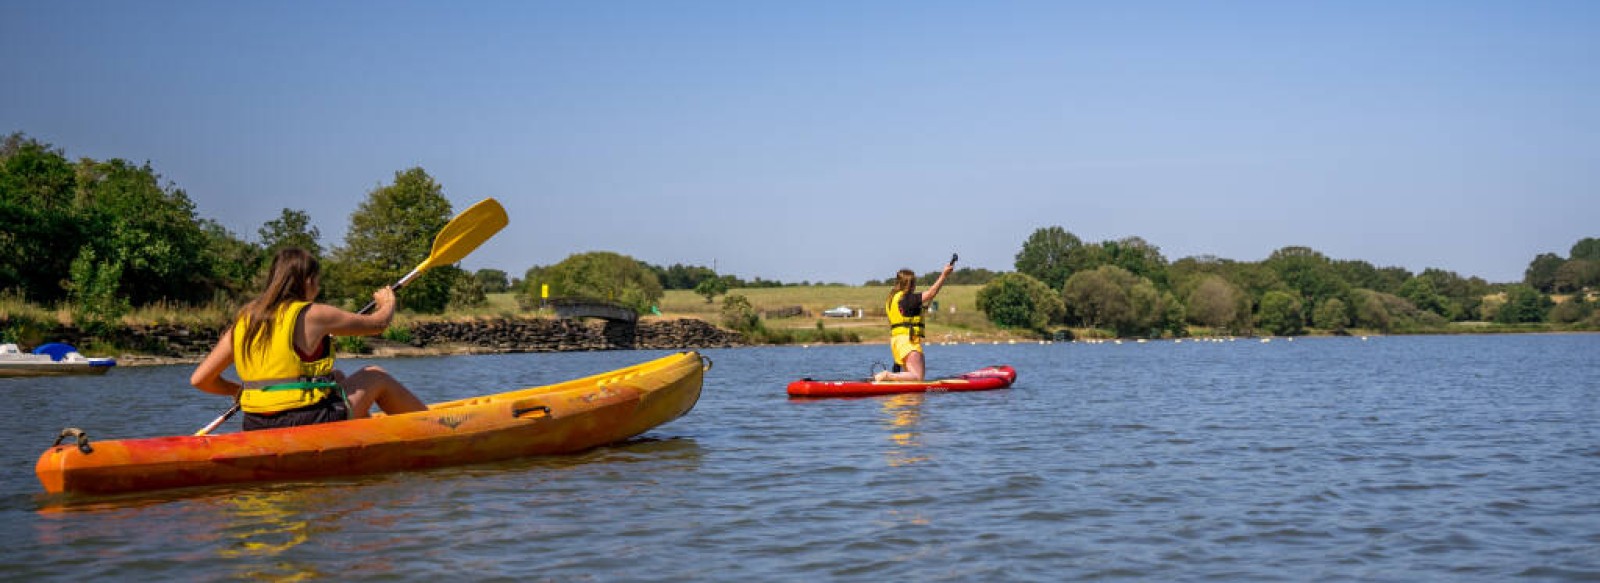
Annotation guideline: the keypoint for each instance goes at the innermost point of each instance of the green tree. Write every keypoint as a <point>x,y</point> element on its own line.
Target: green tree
<point>118,210</point>
<point>1018,300</point>
<point>37,218</point>
<point>94,286</point>
<point>1576,274</point>
<point>151,230</point>
<point>1149,310</point>
<point>1420,292</point>
<point>711,287</point>
<point>1138,257</point>
<point>1280,314</point>
<point>1049,255</point>
<point>35,174</point>
<point>236,262</point>
<point>1370,311</point>
<point>33,262</point>
<point>466,291</point>
<point>1096,298</point>
<point>738,314</point>
<point>680,276</point>
<point>1586,248</point>
<point>1388,312</point>
<point>1524,304</point>
<point>1185,274</point>
<point>292,228</point>
<point>1541,272</point>
<point>1571,311</point>
<point>492,280</point>
<point>1463,296</point>
<point>1309,273</point>
<point>1361,274</point>
<point>1256,279</point>
<point>1216,303</point>
<point>1331,315</point>
<point>390,233</point>
<point>602,275</point>
<point>1174,314</point>
<point>1112,297</point>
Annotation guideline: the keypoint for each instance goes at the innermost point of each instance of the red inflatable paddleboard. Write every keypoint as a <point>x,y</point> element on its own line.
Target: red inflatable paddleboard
<point>983,379</point>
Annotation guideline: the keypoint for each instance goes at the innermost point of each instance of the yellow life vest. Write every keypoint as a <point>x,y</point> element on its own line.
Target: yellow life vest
<point>275,377</point>
<point>901,324</point>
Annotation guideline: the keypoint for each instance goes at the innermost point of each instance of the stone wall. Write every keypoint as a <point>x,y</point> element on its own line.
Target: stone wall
<point>544,335</point>
<point>499,335</point>
<point>162,340</point>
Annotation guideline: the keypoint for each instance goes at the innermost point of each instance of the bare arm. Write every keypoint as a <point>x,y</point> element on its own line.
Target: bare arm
<point>324,320</point>
<point>208,376</point>
<point>933,290</point>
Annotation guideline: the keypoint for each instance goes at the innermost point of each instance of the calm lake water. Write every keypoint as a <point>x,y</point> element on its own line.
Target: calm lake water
<point>1397,458</point>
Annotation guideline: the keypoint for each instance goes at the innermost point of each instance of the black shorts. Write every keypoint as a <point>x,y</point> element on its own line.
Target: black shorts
<point>325,411</point>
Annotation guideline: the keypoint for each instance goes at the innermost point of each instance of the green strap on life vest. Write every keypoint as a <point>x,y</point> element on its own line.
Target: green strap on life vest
<point>291,384</point>
<point>301,386</point>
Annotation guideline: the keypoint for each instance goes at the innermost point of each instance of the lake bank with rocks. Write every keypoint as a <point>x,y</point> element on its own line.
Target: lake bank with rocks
<point>166,344</point>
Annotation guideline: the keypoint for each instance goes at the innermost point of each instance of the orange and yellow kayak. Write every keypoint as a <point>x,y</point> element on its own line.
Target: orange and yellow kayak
<point>561,418</point>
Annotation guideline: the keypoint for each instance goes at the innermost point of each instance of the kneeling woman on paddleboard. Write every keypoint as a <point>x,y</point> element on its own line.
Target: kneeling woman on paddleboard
<point>905,324</point>
<point>281,345</point>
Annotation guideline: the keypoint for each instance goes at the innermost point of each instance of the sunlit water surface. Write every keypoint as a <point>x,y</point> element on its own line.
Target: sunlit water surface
<point>1397,458</point>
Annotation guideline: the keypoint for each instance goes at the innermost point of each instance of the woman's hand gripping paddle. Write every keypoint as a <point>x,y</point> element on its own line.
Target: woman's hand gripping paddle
<point>456,240</point>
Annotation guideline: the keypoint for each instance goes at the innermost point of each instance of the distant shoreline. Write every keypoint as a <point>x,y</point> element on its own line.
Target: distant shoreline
<point>382,349</point>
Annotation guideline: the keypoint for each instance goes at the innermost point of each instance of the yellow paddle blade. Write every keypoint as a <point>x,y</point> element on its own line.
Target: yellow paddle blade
<point>466,232</point>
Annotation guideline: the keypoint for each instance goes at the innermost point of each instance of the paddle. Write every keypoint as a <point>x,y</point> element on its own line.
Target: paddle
<point>461,236</point>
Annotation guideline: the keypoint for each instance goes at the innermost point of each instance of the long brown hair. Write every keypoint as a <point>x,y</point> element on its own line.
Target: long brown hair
<point>292,270</point>
<point>904,281</point>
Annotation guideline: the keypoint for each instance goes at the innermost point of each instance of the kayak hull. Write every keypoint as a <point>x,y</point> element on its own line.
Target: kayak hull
<point>562,418</point>
<point>984,379</point>
<point>96,366</point>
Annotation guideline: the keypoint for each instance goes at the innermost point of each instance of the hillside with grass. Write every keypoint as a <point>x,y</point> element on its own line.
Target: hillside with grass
<point>957,318</point>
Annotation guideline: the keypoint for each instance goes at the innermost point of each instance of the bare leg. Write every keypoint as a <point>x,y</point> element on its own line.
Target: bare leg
<point>913,371</point>
<point>914,366</point>
<point>372,385</point>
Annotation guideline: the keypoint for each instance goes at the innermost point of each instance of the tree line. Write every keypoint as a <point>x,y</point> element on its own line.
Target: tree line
<point>102,237</point>
<point>1128,287</point>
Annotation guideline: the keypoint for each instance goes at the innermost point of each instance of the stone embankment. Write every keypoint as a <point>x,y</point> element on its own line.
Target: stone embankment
<point>546,335</point>
<point>148,343</point>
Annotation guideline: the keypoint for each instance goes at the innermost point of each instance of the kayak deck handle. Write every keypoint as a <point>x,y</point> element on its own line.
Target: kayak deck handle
<point>705,361</point>
<point>521,411</point>
<point>81,435</point>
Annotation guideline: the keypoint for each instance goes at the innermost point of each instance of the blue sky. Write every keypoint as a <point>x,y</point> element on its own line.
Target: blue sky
<point>840,141</point>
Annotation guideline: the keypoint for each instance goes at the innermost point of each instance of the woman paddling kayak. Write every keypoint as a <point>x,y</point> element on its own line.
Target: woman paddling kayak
<point>281,347</point>
<point>905,324</point>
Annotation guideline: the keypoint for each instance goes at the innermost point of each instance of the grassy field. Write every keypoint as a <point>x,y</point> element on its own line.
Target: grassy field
<point>958,315</point>
<point>815,299</point>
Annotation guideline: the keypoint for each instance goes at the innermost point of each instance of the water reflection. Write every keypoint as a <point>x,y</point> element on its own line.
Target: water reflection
<point>263,533</point>
<point>263,526</point>
<point>902,414</point>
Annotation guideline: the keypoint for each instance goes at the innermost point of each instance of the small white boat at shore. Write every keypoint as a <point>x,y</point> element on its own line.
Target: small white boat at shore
<point>53,359</point>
